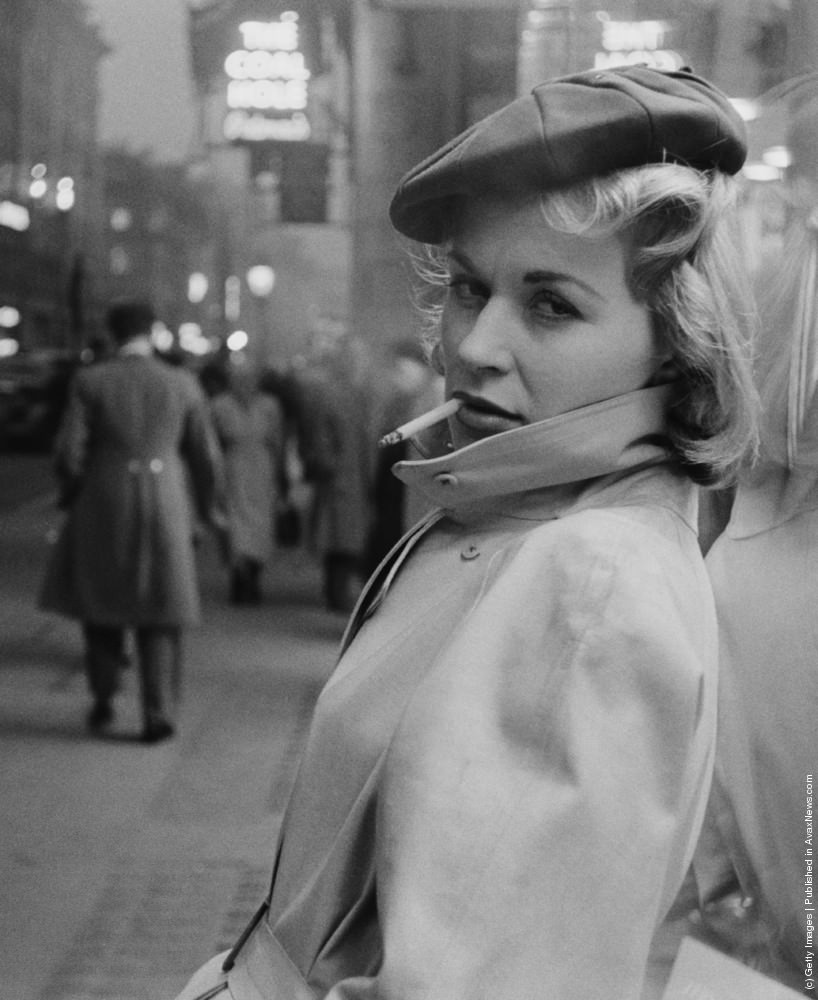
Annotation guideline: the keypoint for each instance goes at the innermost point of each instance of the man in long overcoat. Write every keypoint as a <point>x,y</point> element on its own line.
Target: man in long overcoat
<point>135,454</point>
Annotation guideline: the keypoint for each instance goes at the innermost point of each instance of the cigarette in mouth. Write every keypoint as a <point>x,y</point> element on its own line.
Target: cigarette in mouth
<point>429,419</point>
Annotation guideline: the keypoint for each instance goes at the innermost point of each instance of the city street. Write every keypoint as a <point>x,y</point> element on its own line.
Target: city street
<point>124,866</point>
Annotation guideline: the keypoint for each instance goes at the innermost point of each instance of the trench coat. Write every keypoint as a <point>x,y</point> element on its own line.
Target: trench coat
<point>252,442</point>
<point>138,453</point>
<point>506,774</point>
<point>338,445</point>
<point>762,813</point>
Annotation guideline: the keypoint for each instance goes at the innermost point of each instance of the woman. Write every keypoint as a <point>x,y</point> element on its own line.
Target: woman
<point>763,574</point>
<point>506,775</point>
<point>249,426</point>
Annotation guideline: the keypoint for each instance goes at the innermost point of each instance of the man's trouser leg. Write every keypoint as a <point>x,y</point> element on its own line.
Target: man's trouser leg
<point>104,648</point>
<point>160,673</point>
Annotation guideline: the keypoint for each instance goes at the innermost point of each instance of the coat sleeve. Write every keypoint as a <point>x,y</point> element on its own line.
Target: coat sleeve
<point>73,436</point>
<point>543,793</point>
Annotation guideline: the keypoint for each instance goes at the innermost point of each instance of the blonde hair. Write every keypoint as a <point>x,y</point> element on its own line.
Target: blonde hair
<point>684,264</point>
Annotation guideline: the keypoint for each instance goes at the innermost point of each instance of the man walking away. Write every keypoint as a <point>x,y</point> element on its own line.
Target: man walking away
<point>134,445</point>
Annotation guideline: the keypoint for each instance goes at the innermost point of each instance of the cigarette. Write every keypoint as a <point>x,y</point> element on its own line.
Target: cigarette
<point>429,419</point>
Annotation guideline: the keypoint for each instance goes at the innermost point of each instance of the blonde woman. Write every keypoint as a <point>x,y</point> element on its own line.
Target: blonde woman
<point>506,774</point>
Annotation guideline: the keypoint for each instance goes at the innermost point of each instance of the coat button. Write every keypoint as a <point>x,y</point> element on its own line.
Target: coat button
<point>469,552</point>
<point>156,465</point>
<point>446,479</point>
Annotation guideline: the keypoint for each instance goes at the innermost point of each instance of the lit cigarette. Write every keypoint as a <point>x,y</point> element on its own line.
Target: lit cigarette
<point>442,412</point>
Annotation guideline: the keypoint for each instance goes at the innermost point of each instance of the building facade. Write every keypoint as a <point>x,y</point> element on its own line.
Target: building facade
<point>49,170</point>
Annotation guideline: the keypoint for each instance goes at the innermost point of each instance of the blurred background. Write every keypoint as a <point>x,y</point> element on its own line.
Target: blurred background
<point>234,159</point>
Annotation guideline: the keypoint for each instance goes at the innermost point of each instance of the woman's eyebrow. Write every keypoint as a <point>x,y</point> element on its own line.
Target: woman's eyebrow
<point>535,277</point>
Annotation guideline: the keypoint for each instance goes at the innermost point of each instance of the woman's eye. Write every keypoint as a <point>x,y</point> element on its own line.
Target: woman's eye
<point>467,291</point>
<point>549,305</point>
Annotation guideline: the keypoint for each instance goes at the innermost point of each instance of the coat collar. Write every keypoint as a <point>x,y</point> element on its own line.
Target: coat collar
<point>613,436</point>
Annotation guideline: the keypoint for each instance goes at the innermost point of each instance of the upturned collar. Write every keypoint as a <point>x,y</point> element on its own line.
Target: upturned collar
<point>614,436</point>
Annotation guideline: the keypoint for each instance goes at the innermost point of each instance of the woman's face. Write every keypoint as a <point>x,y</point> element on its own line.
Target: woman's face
<point>537,322</point>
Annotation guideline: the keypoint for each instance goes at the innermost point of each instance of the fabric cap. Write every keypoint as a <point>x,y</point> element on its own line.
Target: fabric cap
<point>568,130</point>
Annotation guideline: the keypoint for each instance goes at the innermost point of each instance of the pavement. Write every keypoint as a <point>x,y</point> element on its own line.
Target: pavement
<point>125,866</point>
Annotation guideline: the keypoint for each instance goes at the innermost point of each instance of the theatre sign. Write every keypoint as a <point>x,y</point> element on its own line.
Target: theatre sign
<point>267,83</point>
<point>636,42</point>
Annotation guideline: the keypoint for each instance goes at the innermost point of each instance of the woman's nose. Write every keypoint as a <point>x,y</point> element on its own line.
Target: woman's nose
<point>486,344</point>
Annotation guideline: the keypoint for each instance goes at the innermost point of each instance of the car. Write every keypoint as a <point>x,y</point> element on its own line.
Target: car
<point>33,392</point>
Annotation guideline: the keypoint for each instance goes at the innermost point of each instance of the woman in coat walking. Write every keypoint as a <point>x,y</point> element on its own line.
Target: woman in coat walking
<point>249,426</point>
<point>135,442</point>
<point>506,774</point>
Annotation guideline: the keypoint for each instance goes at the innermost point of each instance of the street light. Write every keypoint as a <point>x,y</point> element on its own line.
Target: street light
<point>261,279</point>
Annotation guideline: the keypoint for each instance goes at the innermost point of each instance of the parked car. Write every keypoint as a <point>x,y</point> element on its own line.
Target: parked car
<point>33,393</point>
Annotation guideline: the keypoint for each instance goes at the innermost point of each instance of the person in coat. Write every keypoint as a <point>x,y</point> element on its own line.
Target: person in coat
<point>134,444</point>
<point>249,425</point>
<point>337,442</point>
<point>761,844</point>
<point>506,774</point>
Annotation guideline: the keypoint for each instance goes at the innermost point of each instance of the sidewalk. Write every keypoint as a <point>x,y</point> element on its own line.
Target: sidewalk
<point>125,866</point>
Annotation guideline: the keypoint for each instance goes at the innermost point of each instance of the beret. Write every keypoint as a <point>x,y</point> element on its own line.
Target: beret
<point>570,129</point>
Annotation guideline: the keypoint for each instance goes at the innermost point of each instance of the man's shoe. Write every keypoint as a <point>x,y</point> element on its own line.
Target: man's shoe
<point>156,732</point>
<point>100,717</point>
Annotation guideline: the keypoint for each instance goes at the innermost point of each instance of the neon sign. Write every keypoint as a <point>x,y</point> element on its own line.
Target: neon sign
<point>267,93</point>
<point>633,42</point>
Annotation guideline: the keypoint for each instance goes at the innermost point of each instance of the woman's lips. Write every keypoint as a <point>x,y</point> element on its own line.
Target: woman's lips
<point>479,414</point>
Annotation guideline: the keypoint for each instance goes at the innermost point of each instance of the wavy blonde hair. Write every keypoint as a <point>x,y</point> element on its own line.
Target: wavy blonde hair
<point>685,264</point>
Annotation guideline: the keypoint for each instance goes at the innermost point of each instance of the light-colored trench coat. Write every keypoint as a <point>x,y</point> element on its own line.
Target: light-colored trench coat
<point>136,446</point>
<point>251,436</point>
<point>507,772</point>
<point>763,809</point>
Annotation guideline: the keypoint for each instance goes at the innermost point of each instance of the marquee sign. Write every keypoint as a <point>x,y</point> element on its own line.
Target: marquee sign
<point>268,81</point>
<point>634,42</point>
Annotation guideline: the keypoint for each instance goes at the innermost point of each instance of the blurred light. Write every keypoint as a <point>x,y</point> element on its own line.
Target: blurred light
<point>777,156</point>
<point>761,172</point>
<point>237,340</point>
<point>120,263</point>
<point>9,317</point>
<point>8,347</point>
<point>65,197</point>
<point>121,219</point>
<point>38,188</point>
<point>747,108</point>
<point>14,216</point>
<point>192,340</point>
<point>232,298</point>
<point>161,337</point>
<point>38,171</point>
<point>261,279</point>
<point>266,180</point>
<point>197,286</point>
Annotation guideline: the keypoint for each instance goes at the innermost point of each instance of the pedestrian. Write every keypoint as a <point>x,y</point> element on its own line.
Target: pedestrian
<point>250,429</point>
<point>763,573</point>
<point>338,447</point>
<point>136,430</point>
<point>506,774</point>
<point>410,387</point>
